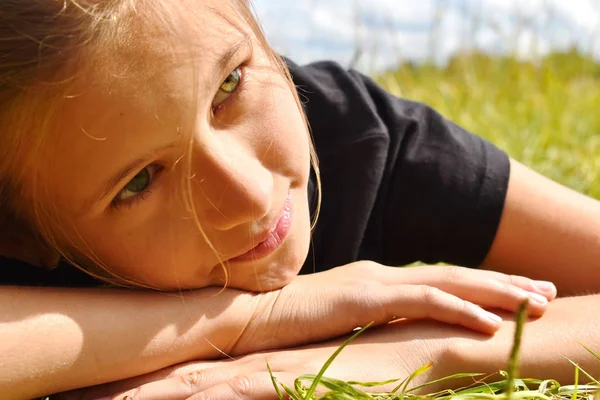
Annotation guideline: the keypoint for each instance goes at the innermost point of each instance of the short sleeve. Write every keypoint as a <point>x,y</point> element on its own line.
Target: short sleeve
<point>444,192</point>
<point>400,182</point>
<point>19,273</point>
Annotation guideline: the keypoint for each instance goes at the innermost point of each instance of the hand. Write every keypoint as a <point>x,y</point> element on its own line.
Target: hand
<point>379,354</point>
<point>321,306</point>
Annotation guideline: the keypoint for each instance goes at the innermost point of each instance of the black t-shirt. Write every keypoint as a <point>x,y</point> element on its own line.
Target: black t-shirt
<point>400,183</point>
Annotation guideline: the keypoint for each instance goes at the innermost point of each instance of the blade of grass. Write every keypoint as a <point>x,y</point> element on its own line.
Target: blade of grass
<point>293,395</point>
<point>373,384</point>
<point>476,387</point>
<point>582,389</point>
<point>455,376</point>
<point>574,395</point>
<point>513,363</point>
<point>339,386</point>
<point>554,386</point>
<point>412,376</point>
<point>274,380</point>
<point>592,352</point>
<point>400,385</point>
<point>584,372</point>
<point>336,396</point>
<point>315,383</point>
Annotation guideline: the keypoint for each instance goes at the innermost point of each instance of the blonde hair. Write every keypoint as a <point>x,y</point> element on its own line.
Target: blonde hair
<point>42,43</point>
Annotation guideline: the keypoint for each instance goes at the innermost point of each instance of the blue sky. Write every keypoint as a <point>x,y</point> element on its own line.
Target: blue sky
<point>389,30</point>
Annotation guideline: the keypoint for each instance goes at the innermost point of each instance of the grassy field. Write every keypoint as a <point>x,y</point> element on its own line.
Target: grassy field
<point>545,114</point>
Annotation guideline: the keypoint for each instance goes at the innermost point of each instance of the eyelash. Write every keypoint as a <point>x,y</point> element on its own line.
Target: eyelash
<point>141,196</point>
<point>232,95</point>
<point>126,204</point>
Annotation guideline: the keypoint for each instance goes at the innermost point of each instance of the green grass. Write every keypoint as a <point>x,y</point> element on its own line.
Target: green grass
<point>511,387</point>
<point>545,114</point>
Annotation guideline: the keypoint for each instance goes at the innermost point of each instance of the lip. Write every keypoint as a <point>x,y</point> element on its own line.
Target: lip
<point>272,239</point>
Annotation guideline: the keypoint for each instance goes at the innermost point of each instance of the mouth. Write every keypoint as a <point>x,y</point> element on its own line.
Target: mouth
<point>272,239</point>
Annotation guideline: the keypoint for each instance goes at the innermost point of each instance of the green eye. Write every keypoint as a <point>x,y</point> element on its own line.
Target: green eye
<point>229,86</point>
<point>137,185</point>
<point>232,81</point>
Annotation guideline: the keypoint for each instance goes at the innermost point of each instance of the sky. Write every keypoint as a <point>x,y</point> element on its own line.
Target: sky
<point>387,31</point>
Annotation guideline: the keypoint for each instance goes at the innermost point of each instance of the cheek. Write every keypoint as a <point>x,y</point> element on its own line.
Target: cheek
<point>278,130</point>
<point>162,252</point>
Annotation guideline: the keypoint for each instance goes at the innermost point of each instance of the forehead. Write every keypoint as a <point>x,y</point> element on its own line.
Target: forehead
<point>148,44</point>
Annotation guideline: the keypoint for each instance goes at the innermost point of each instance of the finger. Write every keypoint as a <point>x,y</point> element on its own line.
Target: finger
<point>546,289</point>
<point>421,302</point>
<point>417,274</point>
<point>256,386</point>
<point>485,288</point>
<point>128,387</point>
<point>185,385</point>
<point>493,290</point>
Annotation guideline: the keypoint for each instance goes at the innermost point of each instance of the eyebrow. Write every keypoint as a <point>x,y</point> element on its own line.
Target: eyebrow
<point>225,59</point>
<point>135,165</point>
<point>109,186</point>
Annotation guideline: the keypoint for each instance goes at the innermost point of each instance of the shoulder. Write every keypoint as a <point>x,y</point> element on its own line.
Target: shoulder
<point>343,104</point>
<point>323,78</point>
<point>338,105</point>
<point>418,186</point>
<point>328,83</point>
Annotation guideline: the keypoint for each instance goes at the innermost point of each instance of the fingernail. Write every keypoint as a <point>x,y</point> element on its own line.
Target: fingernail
<point>544,286</point>
<point>493,317</point>
<point>538,298</point>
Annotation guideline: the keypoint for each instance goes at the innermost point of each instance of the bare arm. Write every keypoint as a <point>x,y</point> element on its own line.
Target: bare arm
<point>59,339</point>
<point>546,342</point>
<point>394,351</point>
<point>548,232</point>
<point>56,339</point>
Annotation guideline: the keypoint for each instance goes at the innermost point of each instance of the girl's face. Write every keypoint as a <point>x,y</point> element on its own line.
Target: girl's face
<point>121,152</point>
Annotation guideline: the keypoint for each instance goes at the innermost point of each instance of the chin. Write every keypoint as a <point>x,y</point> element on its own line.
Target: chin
<point>280,268</point>
<point>271,275</point>
<point>274,278</point>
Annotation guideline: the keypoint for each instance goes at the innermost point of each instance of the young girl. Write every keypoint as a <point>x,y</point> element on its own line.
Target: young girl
<point>161,144</point>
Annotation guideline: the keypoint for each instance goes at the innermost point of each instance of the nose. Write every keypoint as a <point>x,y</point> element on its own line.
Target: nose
<point>230,185</point>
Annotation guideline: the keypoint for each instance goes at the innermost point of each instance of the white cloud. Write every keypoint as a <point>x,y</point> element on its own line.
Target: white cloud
<point>387,30</point>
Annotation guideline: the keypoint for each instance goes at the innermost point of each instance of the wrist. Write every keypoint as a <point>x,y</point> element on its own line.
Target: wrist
<point>479,354</point>
<point>455,350</point>
<point>216,318</point>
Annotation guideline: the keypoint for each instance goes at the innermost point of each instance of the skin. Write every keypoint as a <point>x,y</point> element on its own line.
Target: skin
<point>228,156</point>
<point>548,232</point>
<point>385,353</point>
<point>562,229</point>
<point>55,339</point>
<point>250,150</point>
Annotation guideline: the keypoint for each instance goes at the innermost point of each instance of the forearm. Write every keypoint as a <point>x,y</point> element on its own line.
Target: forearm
<point>548,232</point>
<point>53,340</point>
<point>546,343</point>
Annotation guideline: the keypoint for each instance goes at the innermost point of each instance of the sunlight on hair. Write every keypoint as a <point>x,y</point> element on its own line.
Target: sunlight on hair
<point>58,46</point>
